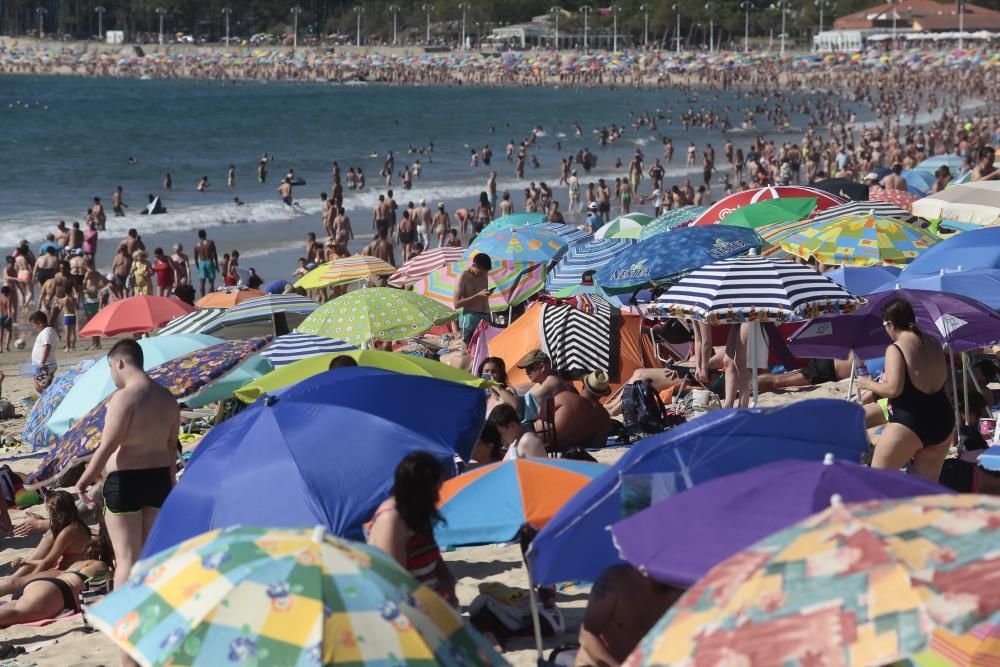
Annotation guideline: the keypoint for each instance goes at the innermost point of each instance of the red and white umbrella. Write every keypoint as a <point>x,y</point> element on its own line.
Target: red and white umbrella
<point>718,211</point>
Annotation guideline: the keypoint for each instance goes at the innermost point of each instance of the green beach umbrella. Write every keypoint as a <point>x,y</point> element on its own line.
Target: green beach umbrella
<point>628,226</point>
<point>376,313</point>
<point>771,211</point>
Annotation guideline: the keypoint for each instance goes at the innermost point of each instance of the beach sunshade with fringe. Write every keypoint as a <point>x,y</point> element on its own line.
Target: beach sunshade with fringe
<point>512,283</point>
<point>771,211</point>
<point>295,346</point>
<point>407,364</point>
<point>892,571</point>
<point>521,491</point>
<point>96,384</point>
<point>521,244</point>
<point>194,322</point>
<point>136,314</point>
<point>628,226</point>
<point>268,596</point>
<point>976,203</point>
<point>227,297</point>
<point>344,271</point>
<point>268,310</point>
<point>584,257</point>
<point>718,211</point>
<point>376,313</point>
<point>423,264</point>
<point>670,219</point>
<point>514,220</point>
<point>183,376</point>
<point>860,241</point>
<point>36,431</point>
<point>899,198</point>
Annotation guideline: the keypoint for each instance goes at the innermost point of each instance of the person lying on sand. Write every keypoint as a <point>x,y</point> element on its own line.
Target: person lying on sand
<point>816,371</point>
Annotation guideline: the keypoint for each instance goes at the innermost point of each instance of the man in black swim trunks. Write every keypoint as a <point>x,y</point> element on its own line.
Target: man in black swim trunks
<point>816,371</point>
<point>137,455</point>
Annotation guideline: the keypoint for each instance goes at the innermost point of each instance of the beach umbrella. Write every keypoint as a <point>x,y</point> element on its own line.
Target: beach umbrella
<point>520,491</point>
<point>670,219</point>
<point>770,211</point>
<point>295,346</point>
<point>931,164</point>
<point>296,596</point>
<point>718,211</point>
<point>328,446</point>
<point>571,234</point>
<point>890,570</point>
<point>522,244</point>
<point>221,389</point>
<point>863,280</point>
<point>743,509</point>
<point>182,376</point>
<point>983,285</point>
<point>976,203</point>
<point>512,283</point>
<point>843,188</point>
<point>978,249</point>
<point>427,261</point>
<point>96,384</point>
<point>628,226</point>
<point>194,322</point>
<point>666,257</point>
<point>918,181</point>
<point>227,297</point>
<point>978,647</point>
<point>859,240</point>
<point>407,364</point>
<point>376,313</point>
<point>345,270</point>
<point>576,546</point>
<point>271,313</point>
<point>588,256</point>
<point>36,431</point>
<point>276,287</point>
<point>900,198</point>
<point>136,314</point>
<point>514,220</point>
<point>952,319</point>
<point>877,209</point>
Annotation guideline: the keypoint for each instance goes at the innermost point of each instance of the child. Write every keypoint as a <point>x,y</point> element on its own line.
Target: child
<point>68,304</point>
<point>43,354</point>
<point>453,241</point>
<point>8,314</point>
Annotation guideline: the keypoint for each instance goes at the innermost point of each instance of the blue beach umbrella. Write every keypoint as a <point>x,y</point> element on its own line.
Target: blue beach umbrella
<point>919,181</point>
<point>666,257</point>
<point>322,451</point>
<point>953,162</point>
<point>576,546</point>
<point>670,219</point>
<point>584,257</point>
<point>983,285</point>
<point>861,280</point>
<point>35,431</point>
<point>978,249</point>
<point>521,244</point>
<point>514,220</point>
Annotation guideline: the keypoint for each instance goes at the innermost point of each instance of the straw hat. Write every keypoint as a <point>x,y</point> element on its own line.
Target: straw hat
<point>597,383</point>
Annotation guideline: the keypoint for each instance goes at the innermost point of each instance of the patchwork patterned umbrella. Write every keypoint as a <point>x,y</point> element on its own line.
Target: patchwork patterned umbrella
<point>424,263</point>
<point>260,596</point>
<point>36,432</point>
<point>193,322</point>
<point>512,282</point>
<point>294,346</point>
<point>899,198</point>
<point>628,226</point>
<point>376,313</point>
<point>584,257</point>
<point>671,219</point>
<point>343,271</point>
<point>263,308</point>
<point>860,241</point>
<point>522,244</point>
<point>182,376</point>
<point>980,647</point>
<point>862,584</point>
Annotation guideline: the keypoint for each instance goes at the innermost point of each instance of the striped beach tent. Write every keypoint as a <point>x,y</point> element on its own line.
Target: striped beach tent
<point>295,346</point>
<point>584,257</point>
<point>195,322</point>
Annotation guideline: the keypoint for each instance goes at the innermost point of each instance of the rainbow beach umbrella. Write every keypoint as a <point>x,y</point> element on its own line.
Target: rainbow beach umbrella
<point>260,596</point>
<point>512,283</point>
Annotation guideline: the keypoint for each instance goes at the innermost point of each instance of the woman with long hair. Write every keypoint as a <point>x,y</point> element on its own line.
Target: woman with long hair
<point>495,369</point>
<point>483,214</point>
<point>403,525</point>
<point>921,421</point>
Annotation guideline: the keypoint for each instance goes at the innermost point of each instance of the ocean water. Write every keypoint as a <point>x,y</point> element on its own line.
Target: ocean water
<point>65,140</point>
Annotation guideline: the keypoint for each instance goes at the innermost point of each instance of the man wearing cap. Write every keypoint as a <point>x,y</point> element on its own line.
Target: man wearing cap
<point>871,179</point>
<point>545,383</point>
<point>594,219</point>
<point>472,295</point>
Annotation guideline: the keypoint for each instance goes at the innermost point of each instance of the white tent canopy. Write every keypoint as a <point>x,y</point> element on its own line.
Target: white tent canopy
<point>976,203</point>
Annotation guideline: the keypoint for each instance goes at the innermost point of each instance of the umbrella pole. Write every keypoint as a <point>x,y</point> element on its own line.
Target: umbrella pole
<point>954,390</point>
<point>854,372</point>
<point>535,620</point>
<point>965,384</point>
<point>754,327</point>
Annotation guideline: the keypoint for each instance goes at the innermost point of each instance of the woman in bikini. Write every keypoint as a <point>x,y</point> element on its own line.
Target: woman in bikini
<point>483,214</point>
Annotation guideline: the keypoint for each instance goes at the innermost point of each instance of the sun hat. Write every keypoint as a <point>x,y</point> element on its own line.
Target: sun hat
<point>597,383</point>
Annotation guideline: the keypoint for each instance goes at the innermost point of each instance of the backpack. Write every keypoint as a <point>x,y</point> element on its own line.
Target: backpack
<point>642,410</point>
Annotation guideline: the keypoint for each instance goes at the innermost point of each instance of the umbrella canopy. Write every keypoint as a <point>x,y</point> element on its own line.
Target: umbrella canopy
<point>877,209</point>
<point>182,376</point>
<point>843,188</point>
<point>983,285</point>
<point>666,257</point>
<point>571,234</point>
<point>770,211</point>
<point>576,546</point>
<point>520,491</point>
<point>743,509</point>
<point>345,270</point>
<point>276,286</point>
<point>283,597</point>
<point>953,162</point>
<point>514,220</point>
<point>376,313</point>
<point>954,320</point>
<point>295,346</point>
<point>860,241</point>
<point>976,203</point>
<point>221,389</point>
<point>670,219</point>
<point>136,314</point>
<point>978,249</point>
<point>754,289</point>
<point>227,297</point>
<point>194,322</point>
<point>584,257</point>
<point>512,283</point>
<point>899,198</point>
<point>863,279</point>
<point>977,648</point>
<point>523,244</point>
<point>407,364</point>
<point>264,312</point>
<point>322,473</point>
<point>890,570</point>
<point>36,431</point>
<point>718,211</point>
<point>628,226</point>
<point>919,181</point>
<point>424,263</point>
<point>94,385</point>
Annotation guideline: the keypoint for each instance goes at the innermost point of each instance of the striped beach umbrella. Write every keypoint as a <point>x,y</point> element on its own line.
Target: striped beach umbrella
<point>584,257</point>
<point>264,308</point>
<point>859,240</point>
<point>345,270</point>
<point>520,244</point>
<point>295,346</point>
<point>512,283</point>
<point>879,209</point>
<point>270,596</point>
<point>193,322</point>
<point>427,261</point>
<point>670,219</point>
<point>628,226</point>
<point>572,234</point>
<point>754,289</point>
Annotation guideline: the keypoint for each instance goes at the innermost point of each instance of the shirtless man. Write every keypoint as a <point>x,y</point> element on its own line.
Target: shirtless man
<point>207,259</point>
<point>117,205</point>
<point>74,239</point>
<point>623,606</point>
<point>93,283</point>
<point>380,212</point>
<point>381,248</point>
<point>182,264</point>
<point>137,456</point>
<point>285,190</point>
<point>546,384</point>
<point>895,181</point>
<point>472,295</point>
<point>62,234</point>
<point>579,421</point>
<point>8,314</point>
<point>98,214</point>
<point>984,169</point>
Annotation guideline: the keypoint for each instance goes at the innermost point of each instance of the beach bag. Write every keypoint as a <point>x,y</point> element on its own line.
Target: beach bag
<point>6,409</point>
<point>642,409</point>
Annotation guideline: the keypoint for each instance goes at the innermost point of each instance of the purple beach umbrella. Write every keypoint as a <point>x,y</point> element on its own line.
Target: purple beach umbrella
<point>952,319</point>
<point>678,540</point>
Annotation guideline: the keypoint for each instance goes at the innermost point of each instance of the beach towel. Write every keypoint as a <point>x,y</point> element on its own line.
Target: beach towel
<point>576,340</point>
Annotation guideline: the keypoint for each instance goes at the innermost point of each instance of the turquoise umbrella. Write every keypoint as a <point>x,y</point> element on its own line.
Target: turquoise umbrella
<point>513,220</point>
<point>671,219</point>
<point>253,368</point>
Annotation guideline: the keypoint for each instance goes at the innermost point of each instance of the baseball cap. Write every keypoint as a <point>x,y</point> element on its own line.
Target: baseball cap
<point>871,176</point>
<point>593,206</point>
<point>534,357</point>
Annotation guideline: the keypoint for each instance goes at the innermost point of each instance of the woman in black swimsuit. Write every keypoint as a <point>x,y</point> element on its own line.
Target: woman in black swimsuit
<point>921,421</point>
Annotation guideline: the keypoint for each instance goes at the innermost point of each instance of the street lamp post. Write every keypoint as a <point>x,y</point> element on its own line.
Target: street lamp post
<point>161,11</point>
<point>821,4</point>
<point>427,9</point>
<point>645,8</point>
<point>358,11</point>
<point>41,12</point>
<point>100,22</point>
<point>464,6</point>
<point>961,23</point>
<point>783,5</point>
<point>711,27</point>
<point>296,10</point>
<point>227,11</point>
<point>677,35</point>
<point>395,13</point>
<point>585,10</point>
<point>892,4</point>
<point>555,12</point>
<point>746,5</point>
<point>614,30</point>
